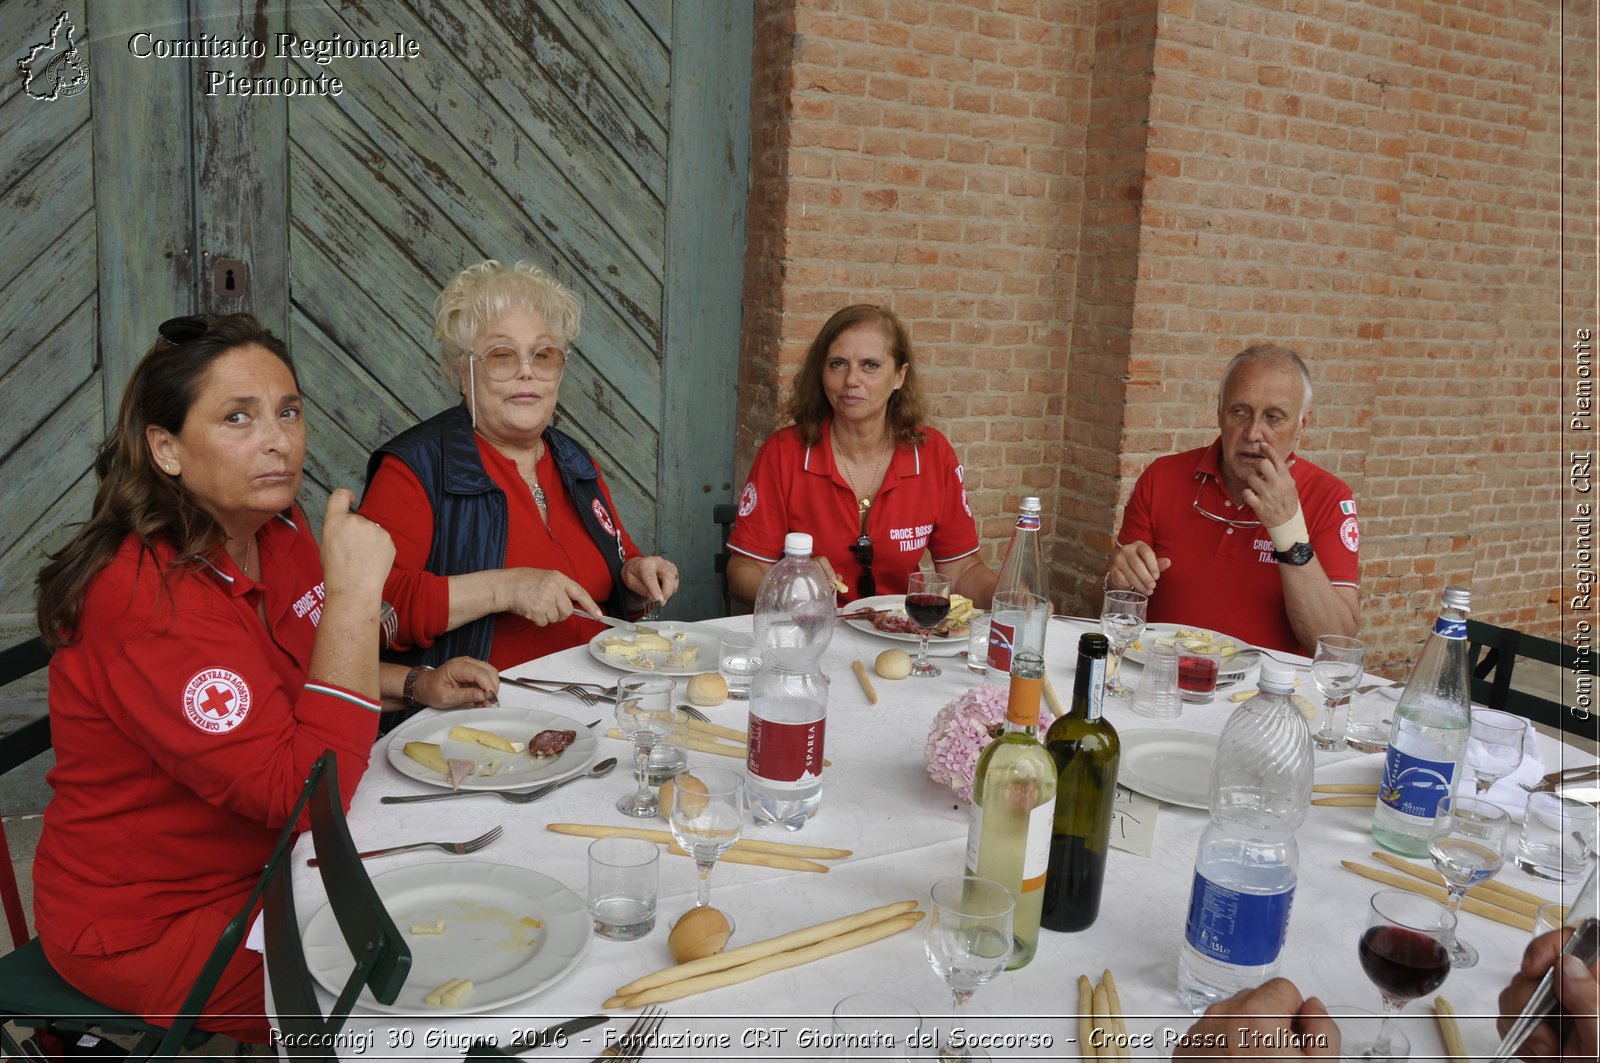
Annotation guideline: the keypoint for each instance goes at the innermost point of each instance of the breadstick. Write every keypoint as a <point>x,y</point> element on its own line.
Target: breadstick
<point>1102,1005</point>
<point>1450,1031</point>
<point>661,837</point>
<point>866,684</point>
<point>1468,904</point>
<point>1051,698</point>
<point>1428,874</point>
<point>757,950</point>
<point>781,962</point>
<point>719,731</point>
<point>1086,1048</point>
<point>1347,801</point>
<point>706,745</point>
<point>1115,999</point>
<point>1346,788</point>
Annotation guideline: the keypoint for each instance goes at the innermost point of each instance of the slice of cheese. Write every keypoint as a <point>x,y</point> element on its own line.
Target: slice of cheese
<point>428,754</point>
<point>428,929</point>
<point>643,642</point>
<point>462,733</point>
<point>449,995</point>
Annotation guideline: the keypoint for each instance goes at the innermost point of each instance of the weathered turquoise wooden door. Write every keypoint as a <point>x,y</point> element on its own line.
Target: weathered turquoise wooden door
<point>604,139</point>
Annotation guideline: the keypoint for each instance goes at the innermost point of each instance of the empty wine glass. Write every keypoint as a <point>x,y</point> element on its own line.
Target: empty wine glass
<point>707,818</point>
<point>645,714</point>
<point>968,942</point>
<point>927,603</point>
<point>1405,952</point>
<point>1336,669</point>
<point>1467,844</point>
<point>1494,747</point>
<point>1121,620</point>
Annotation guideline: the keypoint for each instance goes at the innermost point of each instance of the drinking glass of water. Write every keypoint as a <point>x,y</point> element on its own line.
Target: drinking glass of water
<point>738,662</point>
<point>1336,669</point>
<point>1122,621</point>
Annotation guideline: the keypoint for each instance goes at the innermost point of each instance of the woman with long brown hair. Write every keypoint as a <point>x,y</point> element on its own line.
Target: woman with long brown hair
<point>860,470</point>
<point>206,654</point>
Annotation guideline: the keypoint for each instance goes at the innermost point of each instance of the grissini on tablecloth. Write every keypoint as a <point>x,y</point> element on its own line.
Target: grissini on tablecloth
<point>745,846</point>
<point>718,731</point>
<point>1347,801</point>
<point>1427,874</point>
<point>757,950</point>
<point>1413,885</point>
<point>1346,788</point>
<point>1086,1047</point>
<point>1114,998</point>
<point>705,743</point>
<point>779,962</point>
<point>1102,1019</point>
<point>866,684</point>
<point>1450,1030</point>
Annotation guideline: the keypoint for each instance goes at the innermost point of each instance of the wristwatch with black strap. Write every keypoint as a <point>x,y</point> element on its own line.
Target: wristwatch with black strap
<point>1298,554</point>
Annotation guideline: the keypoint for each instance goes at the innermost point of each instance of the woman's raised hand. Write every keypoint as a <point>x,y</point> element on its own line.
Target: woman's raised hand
<point>655,579</point>
<point>543,595</point>
<point>356,553</point>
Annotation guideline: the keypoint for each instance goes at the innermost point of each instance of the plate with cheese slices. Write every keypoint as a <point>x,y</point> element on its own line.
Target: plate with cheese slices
<point>665,647</point>
<point>491,749</point>
<point>1237,656</point>
<point>481,935</point>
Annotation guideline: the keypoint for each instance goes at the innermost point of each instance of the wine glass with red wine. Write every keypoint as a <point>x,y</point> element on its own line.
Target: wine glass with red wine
<point>927,604</point>
<point>1405,952</point>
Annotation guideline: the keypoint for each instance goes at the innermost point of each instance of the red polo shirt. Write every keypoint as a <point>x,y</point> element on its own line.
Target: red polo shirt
<point>184,728</point>
<point>922,505</point>
<point>1222,577</point>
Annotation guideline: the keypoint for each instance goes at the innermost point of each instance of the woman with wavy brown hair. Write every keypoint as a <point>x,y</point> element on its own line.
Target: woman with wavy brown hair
<point>860,470</point>
<point>206,654</point>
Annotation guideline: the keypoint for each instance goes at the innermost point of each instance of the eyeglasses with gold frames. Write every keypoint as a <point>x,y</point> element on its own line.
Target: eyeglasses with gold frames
<point>1208,515</point>
<point>502,363</point>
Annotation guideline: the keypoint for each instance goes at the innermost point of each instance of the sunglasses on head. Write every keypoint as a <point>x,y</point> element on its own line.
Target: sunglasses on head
<point>180,330</point>
<point>866,585</point>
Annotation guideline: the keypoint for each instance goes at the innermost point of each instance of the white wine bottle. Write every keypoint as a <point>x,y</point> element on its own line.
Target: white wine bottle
<point>1085,749</point>
<point>1013,795</point>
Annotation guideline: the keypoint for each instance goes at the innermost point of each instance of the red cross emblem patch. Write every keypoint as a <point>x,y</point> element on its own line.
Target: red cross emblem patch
<point>216,700</point>
<point>604,518</point>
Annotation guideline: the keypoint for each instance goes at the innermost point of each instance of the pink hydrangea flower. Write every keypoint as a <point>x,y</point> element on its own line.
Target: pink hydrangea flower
<point>959,734</point>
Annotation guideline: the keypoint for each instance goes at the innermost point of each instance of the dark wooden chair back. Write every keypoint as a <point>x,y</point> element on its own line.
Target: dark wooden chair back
<point>1492,654</point>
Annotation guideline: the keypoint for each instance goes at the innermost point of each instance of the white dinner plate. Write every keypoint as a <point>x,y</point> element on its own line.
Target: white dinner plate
<point>517,771</point>
<point>1170,766</point>
<point>490,938</point>
<point>1230,670</point>
<point>894,603</point>
<point>706,637</point>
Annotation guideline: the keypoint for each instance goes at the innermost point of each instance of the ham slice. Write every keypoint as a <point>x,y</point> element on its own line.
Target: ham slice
<point>459,769</point>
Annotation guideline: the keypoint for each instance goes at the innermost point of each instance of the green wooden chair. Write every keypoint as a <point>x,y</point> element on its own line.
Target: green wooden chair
<point>32,994</point>
<point>1492,654</point>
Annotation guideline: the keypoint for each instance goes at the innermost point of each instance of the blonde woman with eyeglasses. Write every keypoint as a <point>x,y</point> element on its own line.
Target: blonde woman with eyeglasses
<point>502,524</point>
<point>1245,536</point>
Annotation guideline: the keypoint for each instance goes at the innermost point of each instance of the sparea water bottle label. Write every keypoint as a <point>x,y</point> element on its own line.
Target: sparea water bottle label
<point>1027,522</point>
<point>1450,629</point>
<point>786,755</point>
<point>1001,638</point>
<point>1245,929</point>
<point>1413,786</point>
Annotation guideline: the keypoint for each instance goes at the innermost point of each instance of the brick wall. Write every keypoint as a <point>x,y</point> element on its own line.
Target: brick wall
<point>1083,209</point>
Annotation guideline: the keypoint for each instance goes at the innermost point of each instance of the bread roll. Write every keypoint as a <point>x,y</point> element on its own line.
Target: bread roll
<point>708,688</point>
<point>893,664</point>
<point>699,933</point>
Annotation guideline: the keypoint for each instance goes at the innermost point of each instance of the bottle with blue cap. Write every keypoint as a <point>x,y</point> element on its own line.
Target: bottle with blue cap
<point>1429,737</point>
<point>1246,869</point>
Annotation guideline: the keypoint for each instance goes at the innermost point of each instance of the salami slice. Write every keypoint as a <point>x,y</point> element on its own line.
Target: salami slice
<point>551,743</point>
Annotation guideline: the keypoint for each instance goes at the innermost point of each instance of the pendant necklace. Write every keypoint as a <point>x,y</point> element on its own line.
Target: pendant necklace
<point>863,500</point>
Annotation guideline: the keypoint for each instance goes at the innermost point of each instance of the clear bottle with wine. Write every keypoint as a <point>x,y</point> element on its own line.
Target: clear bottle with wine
<point>1013,796</point>
<point>1429,737</point>
<point>1246,869</point>
<point>1085,749</point>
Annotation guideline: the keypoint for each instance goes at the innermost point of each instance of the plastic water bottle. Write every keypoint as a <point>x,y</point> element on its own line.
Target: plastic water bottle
<point>1429,737</point>
<point>794,613</point>
<point>1022,572</point>
<point>1245,871</point>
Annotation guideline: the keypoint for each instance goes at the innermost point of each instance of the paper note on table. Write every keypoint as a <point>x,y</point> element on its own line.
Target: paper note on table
<point>1133,822</point>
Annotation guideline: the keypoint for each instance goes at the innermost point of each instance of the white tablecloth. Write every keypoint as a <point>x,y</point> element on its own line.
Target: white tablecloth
<point>906,832</point>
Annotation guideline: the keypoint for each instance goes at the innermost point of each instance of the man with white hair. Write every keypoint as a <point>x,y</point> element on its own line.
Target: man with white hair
<point>1244,536</point>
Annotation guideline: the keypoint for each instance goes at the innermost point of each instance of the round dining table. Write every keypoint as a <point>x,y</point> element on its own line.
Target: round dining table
<point>904,832</point>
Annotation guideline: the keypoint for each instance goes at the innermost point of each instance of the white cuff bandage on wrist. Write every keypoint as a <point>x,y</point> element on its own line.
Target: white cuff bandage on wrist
<point>1290,531</point>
